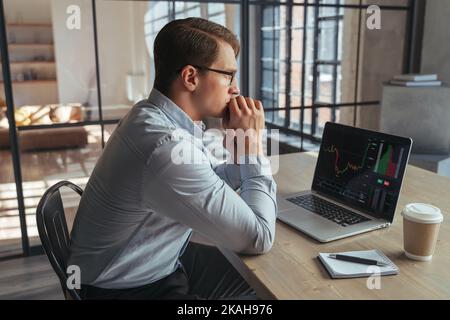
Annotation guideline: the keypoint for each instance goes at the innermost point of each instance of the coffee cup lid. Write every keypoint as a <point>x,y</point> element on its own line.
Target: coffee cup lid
<point>422,213</point>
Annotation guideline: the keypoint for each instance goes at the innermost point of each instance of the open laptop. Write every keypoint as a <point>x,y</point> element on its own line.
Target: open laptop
<point>356,184</point>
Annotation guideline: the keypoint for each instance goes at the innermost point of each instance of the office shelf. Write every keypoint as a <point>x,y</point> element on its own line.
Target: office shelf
<point>29,24</point>
<point>30,45</point>
<point>32,81</point>
<point>34,62</point>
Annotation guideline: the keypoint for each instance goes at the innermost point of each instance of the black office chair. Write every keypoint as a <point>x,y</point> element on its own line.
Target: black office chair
<point>54,234</point>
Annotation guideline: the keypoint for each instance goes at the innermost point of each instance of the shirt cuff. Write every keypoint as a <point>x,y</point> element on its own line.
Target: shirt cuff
<point>254,166</point>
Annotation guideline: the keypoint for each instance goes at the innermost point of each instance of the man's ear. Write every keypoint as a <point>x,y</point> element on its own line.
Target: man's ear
<point>189,77</point>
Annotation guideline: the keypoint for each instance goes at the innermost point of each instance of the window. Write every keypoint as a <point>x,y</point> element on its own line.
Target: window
<point>309,74</point>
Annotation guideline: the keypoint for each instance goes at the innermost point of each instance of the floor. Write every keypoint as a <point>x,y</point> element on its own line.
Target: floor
<point>29,278</point>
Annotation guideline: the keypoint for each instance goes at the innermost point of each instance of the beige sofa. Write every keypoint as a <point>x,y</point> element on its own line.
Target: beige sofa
<point>39,139</point>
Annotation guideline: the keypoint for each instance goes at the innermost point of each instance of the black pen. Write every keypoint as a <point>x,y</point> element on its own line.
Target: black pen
<point>357,260</point>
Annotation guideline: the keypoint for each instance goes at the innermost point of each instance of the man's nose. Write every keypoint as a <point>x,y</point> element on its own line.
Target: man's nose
<point>234,89</point>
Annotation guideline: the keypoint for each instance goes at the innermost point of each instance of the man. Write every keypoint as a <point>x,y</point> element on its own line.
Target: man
<point>131,236</point>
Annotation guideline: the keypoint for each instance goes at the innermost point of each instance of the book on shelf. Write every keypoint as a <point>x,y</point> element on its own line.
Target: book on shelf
<point>435,83</point>
<point>415,77</point>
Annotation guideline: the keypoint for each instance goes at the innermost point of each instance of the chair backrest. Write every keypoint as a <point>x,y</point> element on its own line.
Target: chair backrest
<point>53,232</point>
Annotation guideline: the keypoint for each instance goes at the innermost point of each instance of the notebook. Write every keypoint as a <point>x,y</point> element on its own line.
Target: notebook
<point>436,83</point>
<point>416,77</point>
<point>344,269</point>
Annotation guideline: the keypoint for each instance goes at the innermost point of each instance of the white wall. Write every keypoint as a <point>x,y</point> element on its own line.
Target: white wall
<point>74,54</point>
<point>380,58</point>
<point>436,39</point>
<point>121,44</point>
<point>121,47</point>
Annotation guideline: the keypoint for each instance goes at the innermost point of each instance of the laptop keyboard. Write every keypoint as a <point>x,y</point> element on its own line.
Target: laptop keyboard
<point>328,210</point>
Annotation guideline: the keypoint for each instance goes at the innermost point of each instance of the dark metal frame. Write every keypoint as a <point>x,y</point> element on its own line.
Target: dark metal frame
<point>358,49</point>
<point>287,118</point>
<point>413,45</point>
<point>245,56</point>
<point>97,73</point>
<point>12,131</point>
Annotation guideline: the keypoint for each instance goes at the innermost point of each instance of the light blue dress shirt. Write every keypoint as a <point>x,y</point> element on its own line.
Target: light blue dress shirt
<point>139,207</point>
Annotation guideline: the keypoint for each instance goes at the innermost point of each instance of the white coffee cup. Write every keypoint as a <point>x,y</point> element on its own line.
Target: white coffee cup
<point>421,223</point>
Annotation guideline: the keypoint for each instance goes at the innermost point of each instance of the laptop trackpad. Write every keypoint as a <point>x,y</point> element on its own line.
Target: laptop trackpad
<point>304,219</point>
<point>283,204</point>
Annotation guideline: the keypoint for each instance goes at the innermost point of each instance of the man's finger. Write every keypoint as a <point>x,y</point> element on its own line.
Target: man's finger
<point>234,108</point>
<point>250,103</point>
<point>243,104</point>
<point>258,105</point>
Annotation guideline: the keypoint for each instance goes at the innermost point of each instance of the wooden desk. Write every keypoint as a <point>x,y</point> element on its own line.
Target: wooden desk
<point>291,269</point>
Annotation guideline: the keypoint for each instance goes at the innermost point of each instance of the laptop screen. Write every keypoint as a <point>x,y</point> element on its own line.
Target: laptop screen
<point>361,168</point>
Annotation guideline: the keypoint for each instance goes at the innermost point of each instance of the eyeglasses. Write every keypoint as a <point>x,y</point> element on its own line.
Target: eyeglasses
<point>228,73</point>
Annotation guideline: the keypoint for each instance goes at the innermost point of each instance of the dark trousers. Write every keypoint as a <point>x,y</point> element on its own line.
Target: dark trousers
<point>205,274</point>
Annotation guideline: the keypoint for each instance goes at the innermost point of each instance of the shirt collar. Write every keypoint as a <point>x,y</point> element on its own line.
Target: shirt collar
<point>175,113</point>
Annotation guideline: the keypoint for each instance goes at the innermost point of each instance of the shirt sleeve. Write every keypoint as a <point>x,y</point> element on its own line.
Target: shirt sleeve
<point>230,173</point>
<point>193,193</point>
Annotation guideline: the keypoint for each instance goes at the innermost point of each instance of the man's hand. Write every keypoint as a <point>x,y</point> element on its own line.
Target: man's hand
<point>244,124</point>
<point>244,113</point>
